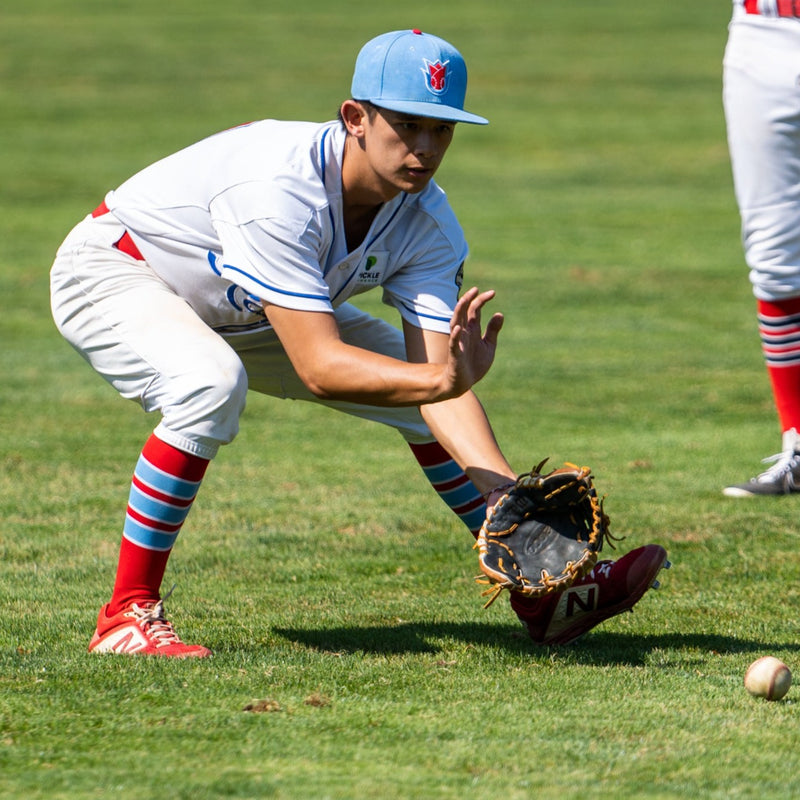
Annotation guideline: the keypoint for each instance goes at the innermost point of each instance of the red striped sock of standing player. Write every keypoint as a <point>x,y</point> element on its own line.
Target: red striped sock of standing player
<point>452,484</point>
<point>779,328</point>
<point>164,485</point>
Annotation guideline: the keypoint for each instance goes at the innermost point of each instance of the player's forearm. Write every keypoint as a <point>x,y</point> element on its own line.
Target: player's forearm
<point>461,426</point>
<point>352,374</point>
<point>335,370</point>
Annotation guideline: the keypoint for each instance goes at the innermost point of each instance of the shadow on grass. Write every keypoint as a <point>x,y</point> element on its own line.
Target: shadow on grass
<point>596,647</point>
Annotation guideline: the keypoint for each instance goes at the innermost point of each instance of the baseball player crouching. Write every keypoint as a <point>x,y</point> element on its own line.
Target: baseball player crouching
<point>229,265</point>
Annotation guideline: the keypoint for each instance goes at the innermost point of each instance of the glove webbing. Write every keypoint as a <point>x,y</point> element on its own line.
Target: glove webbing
<point>600,521</point>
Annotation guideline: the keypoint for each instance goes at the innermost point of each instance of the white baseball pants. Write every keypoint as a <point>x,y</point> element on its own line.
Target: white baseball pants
<point>761,96</point>
<point>150,345</point>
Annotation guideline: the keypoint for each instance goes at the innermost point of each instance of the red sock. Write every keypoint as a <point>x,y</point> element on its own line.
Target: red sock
<point>779,328</point>
<point>163,489</point>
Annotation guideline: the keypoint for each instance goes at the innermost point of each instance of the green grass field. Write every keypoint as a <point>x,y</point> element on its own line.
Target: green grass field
<point>353,658</point>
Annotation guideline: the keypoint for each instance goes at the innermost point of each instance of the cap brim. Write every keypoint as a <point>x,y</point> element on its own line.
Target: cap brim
<point>432,110</point>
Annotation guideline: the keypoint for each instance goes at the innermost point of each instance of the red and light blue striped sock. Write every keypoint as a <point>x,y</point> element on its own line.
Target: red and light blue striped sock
<point>452,484</point>
<point>164,485</point>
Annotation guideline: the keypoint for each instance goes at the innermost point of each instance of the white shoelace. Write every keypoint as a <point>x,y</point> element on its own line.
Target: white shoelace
<point>787,461</point>
<point>154,623</point>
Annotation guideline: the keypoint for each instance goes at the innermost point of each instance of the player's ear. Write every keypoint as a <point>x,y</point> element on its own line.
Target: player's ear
<point>354,116</point>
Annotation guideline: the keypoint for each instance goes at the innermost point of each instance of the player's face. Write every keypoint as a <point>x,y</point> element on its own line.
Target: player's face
<point>404,151</point>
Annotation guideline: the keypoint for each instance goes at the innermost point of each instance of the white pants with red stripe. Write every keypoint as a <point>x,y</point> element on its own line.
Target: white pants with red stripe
<point>150,345</point>
<point>761,95</point>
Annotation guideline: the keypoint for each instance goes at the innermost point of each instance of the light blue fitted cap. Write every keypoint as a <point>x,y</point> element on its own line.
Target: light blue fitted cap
<point>414,73</point>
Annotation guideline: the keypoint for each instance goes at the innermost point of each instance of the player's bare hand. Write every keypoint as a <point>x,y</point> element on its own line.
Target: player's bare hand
<point>472,349</point>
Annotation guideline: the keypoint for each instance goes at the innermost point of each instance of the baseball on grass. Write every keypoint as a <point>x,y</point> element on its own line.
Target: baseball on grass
<point>768,677</point>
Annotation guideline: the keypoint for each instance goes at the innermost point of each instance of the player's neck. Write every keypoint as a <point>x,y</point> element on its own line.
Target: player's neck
<point>357,222</point>
<point>363,194</point>
<point>362,185</point>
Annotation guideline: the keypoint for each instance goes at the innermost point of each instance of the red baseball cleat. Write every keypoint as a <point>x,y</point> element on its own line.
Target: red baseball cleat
<point>141,630</point>
<point>609,589</point>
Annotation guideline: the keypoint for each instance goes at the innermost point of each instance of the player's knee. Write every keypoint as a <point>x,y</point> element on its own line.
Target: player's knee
<point>207,401</point>
<point>225,386</point>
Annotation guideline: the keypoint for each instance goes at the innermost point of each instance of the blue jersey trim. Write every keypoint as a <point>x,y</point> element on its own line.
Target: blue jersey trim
<point>425,316</point>
<point>214,261</point>
<point>323,166</point>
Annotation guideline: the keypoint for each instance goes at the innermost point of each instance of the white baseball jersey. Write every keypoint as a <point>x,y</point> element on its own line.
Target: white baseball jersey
<point>255,213</point>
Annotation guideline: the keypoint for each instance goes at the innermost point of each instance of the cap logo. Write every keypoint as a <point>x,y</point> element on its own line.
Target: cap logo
<point>435,75</point>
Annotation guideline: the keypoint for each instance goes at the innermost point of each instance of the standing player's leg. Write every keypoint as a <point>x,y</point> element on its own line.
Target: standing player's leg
<point>762,109</point>
<point>779,331</point>
<point>152,348</point>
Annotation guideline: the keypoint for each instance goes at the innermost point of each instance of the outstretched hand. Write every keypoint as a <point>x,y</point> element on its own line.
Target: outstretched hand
<point>471,349</point>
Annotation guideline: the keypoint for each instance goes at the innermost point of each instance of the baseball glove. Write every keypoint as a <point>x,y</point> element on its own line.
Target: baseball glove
<point>543,534</point>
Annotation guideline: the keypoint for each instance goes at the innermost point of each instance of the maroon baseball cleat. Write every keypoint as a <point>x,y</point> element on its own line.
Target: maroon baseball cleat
<point>609,589</point>
<point>141,630</point>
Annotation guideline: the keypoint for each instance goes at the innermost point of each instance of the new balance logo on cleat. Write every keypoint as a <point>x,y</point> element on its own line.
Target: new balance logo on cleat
<point>141,630</point>
<point>125,640</point>
<point>584,598</point>
<point>575,600</point>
